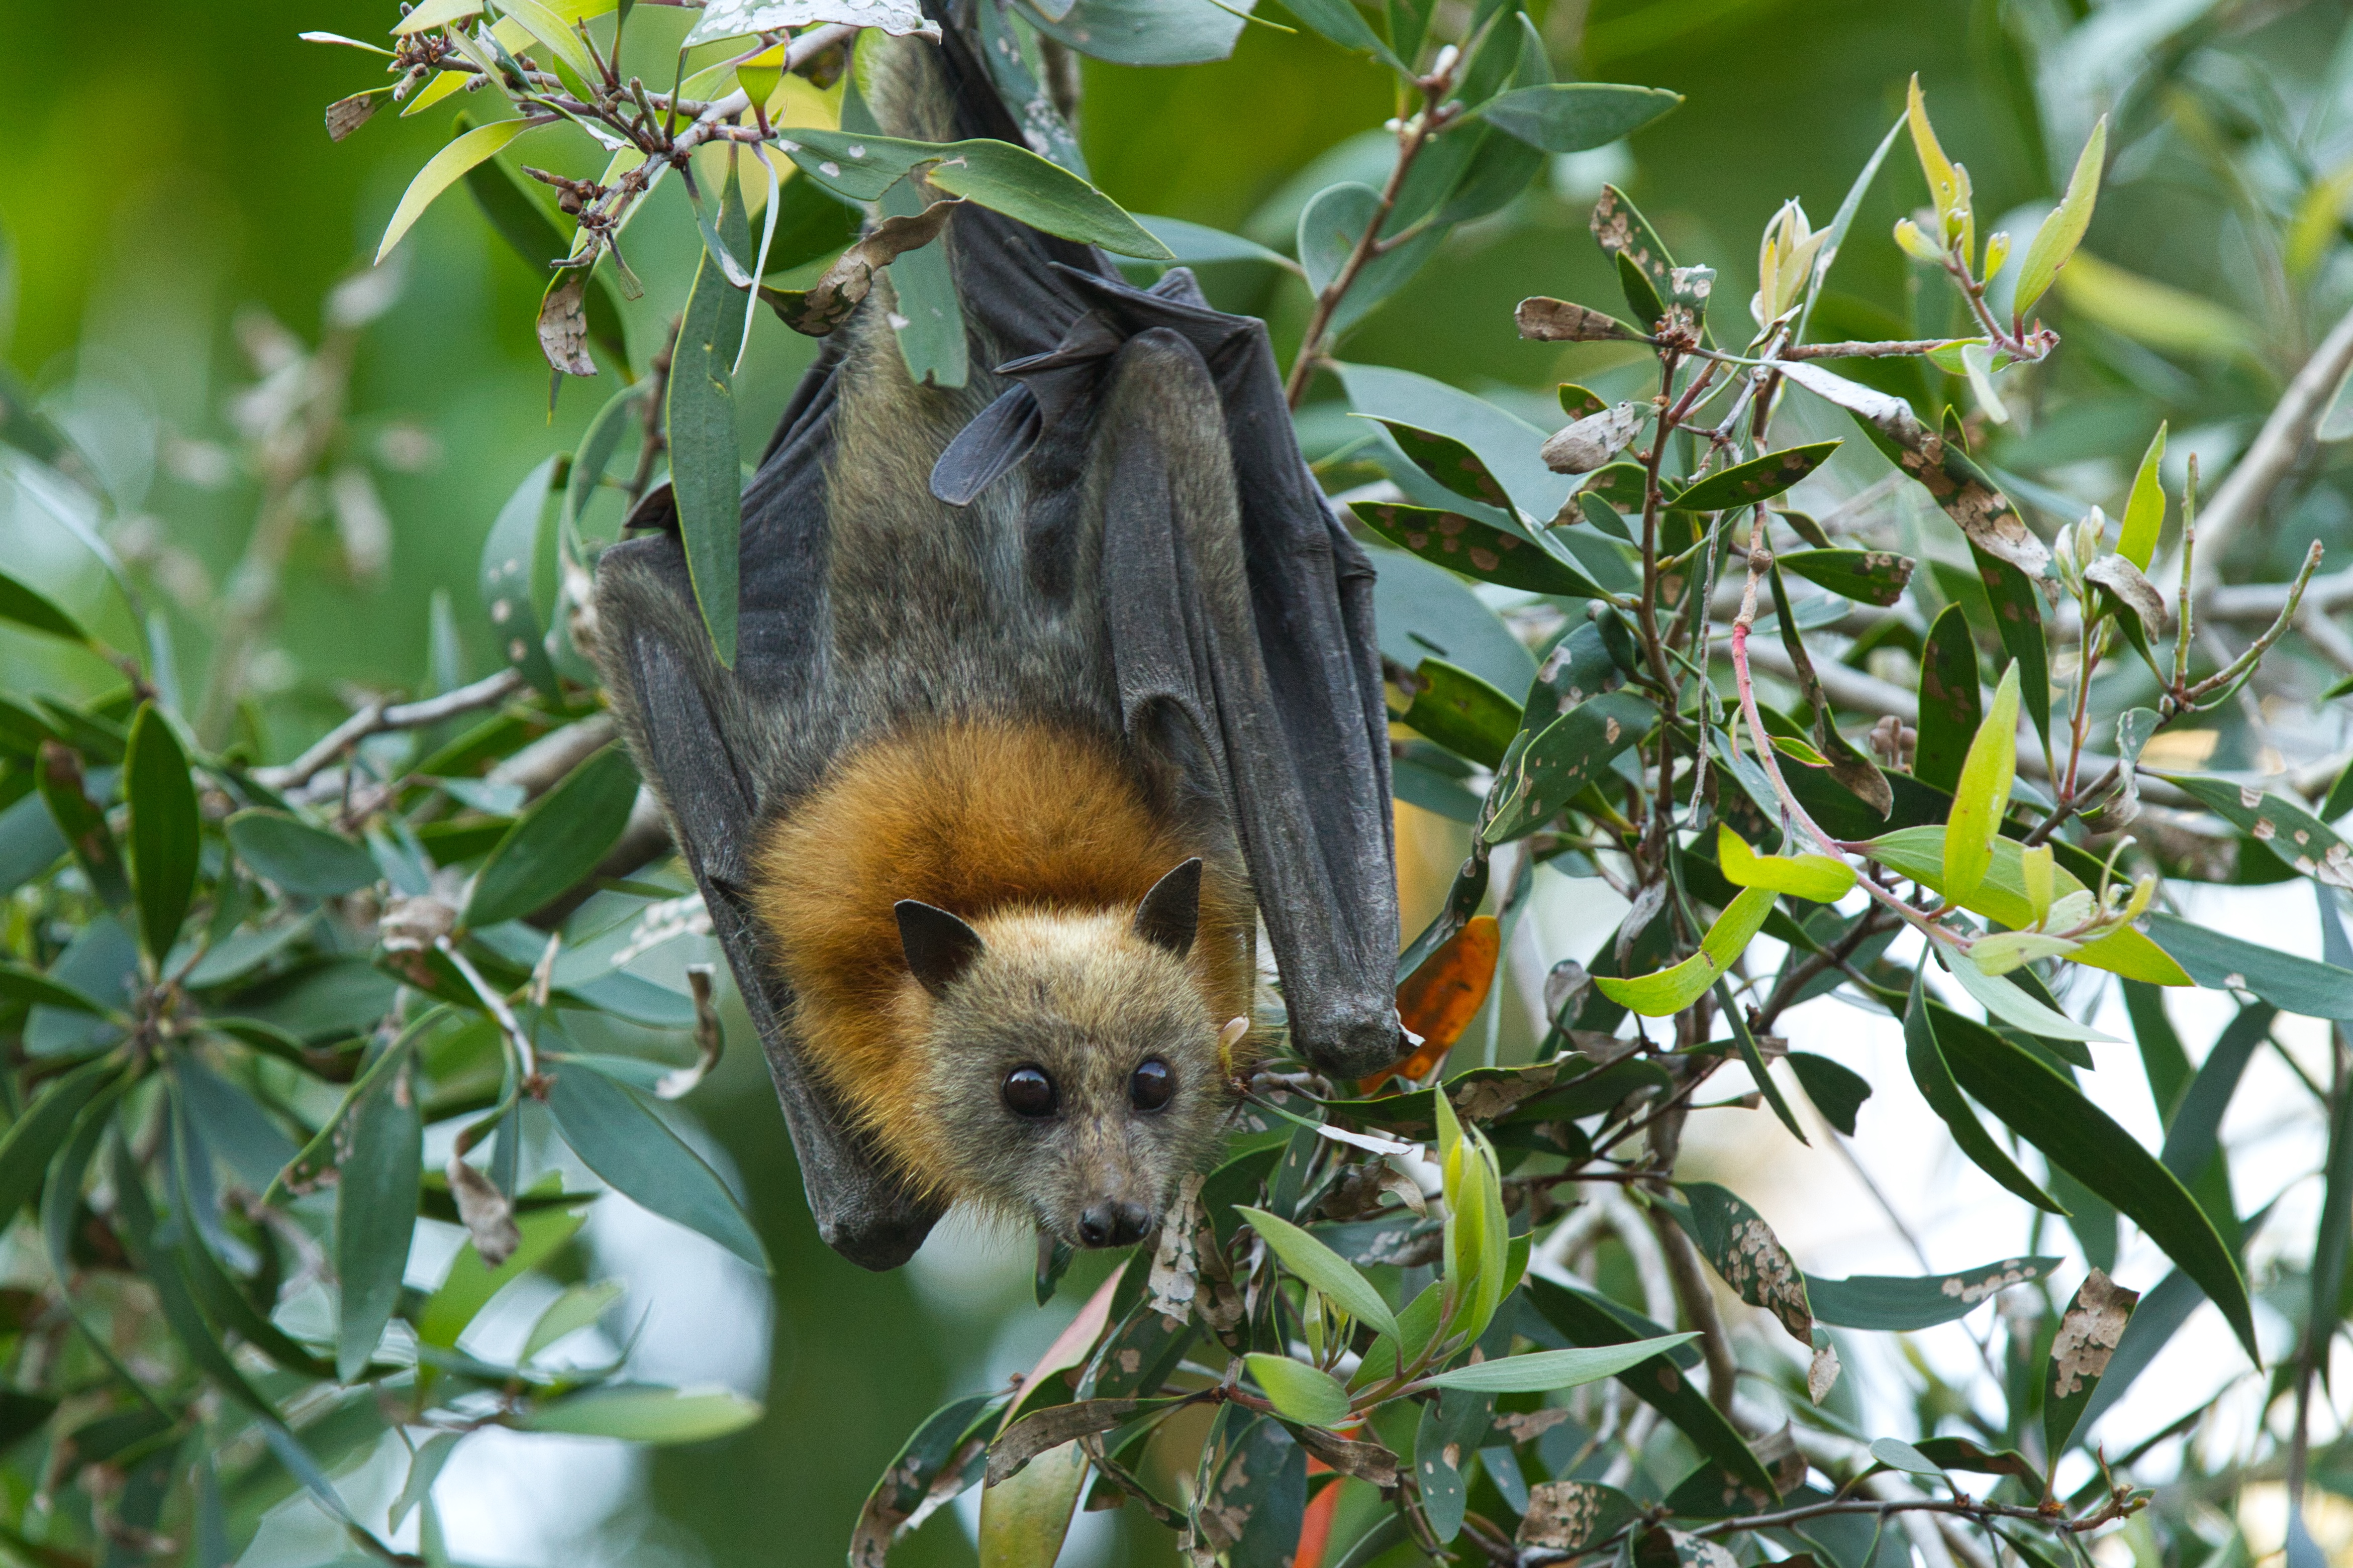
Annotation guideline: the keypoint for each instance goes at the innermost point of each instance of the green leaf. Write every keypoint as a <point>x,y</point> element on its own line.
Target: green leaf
<point>2013,1006</point>
<point>1669,991</point>
<point>1982,795</point>
<point>598,447</point>
<point>558,842</point>
<point>951,1446</point>
<point>81,824</point>
<point>706,477</point>
<point>470,1282</point>
<point>1450,463</point>
<point>1924,1053</point>
<point>1950,703</point>
<point>1254,1473</point>
<point>1575,1518</point>
<point>1575,116</point>
<point>1330,227</point>
<point>35,989</point>
<point>1866,576</point>
<point>1820,878</point>
<point>1504,444</point>
<point>1546,768</point>
<point>2220,962</point>
<point>1537,1372</point>
<point>1758,480</point>
<point>1342,24</point>
<point>1892,1304</point>
<point>1463,544</point>
<point>375,1211</point>
<point>2063,231</point>
<point>2046,1110</point>
<point>165,825</point>
<point>1197,244</point>
<point>2280,826</point>
<point>1307,1395</point>
<point>1837,1091</point>
<point>1644,263</point>
<point>577,1308</point>
<point>1585,1318</point>
<point>642,1414</point>
<point>1142,32</point>
<point>1898,1455</point>
<point>2145,508</point>
<point>509,557</point>
<point>1462,713</point>
<point>626,1144</point>
<point>1444,1442</point>
<point>34,611</point>
<point>441,171</point>
<point>1618,486</point>
<point>1745,1254</point>
<point>35,1136</point>
<point>1323,1270</point>
<point>301,858</point>
<point>997,174</point>
<point>2089,1332</point>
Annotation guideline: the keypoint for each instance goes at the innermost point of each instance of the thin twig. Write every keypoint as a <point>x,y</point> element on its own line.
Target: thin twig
<point>375,719</point>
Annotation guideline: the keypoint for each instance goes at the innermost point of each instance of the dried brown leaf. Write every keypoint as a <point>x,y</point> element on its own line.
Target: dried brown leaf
<point>346,115</point>
<point>1364,1461</point>
<point>564,324</point>
<point>818,310</point>
<point>1551,320</point>
<point>1586,445</point>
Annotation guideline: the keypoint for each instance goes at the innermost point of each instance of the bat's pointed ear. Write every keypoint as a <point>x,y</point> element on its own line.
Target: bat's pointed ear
<point>939,947</point>
<point>1171,912</point>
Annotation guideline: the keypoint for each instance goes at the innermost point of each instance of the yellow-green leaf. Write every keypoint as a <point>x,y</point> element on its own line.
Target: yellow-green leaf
<point>1943,188</point>
<point>2063,231</point>
<point>1324,1268</point>
<point>436,13</point>
<point>1983,794</point>
<point>2157,314</point>
<point>552,30</point>
<point>443,169</point>
<point>2037,872</point>
<point>2145,510</point>
<point>1307,1395</point>
<point>1918,853</point>
<point>1669,991</point>
<point>1816,877</point>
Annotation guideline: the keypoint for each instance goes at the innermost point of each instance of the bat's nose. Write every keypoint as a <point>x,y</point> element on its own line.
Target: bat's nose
<point>1111,1223</point>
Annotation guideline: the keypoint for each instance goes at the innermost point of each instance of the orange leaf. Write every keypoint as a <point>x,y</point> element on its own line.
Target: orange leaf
<point>1438,1000</point>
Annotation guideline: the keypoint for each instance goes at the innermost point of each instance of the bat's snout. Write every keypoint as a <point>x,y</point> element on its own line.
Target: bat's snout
<point>1113,1224</point>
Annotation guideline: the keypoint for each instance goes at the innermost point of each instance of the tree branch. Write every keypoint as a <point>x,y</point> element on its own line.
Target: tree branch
<point>376,718</point>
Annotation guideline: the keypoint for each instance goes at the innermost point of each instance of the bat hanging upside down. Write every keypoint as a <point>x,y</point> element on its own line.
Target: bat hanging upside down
<point>1049,689</point>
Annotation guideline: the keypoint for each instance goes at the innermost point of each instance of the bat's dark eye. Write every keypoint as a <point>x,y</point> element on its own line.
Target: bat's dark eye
<point>1153,1084</point>
<point>1029,1092</point>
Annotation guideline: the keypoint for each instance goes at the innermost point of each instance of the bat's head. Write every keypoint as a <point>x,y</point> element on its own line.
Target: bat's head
<point>1073,1065</point>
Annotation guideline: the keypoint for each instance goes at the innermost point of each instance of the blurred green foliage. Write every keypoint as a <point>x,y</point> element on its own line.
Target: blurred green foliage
<point>166,172</point>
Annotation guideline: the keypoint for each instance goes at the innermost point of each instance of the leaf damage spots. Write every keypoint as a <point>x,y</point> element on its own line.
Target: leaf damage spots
<point>2088,1334</point>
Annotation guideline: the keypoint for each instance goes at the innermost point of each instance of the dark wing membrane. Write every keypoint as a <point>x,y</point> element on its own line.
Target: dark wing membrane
<point>697,730</point>
<point>1274,601</point>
